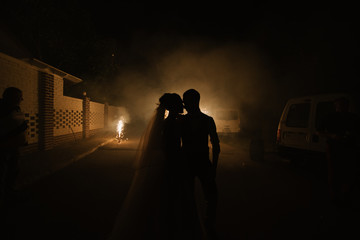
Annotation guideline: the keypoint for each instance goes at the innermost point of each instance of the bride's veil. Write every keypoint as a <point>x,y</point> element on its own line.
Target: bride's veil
<point>149,151</point>
<point>143,199</point>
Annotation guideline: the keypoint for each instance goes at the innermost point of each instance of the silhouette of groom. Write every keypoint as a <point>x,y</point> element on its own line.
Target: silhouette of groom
<point>196,129</point>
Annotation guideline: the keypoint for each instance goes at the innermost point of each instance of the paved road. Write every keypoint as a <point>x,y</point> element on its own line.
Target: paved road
<point>266,200</point>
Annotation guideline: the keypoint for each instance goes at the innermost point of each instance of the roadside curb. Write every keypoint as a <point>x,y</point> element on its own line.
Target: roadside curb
<point>30,180</point>
<point>80,156</point>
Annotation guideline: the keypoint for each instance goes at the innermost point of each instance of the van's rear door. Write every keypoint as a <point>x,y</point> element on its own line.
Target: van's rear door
<point>295,124</point>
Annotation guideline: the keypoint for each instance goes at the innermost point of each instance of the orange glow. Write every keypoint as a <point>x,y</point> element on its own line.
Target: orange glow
<point>166,114</point>
<point>120,130</point>
<point>206,111</point>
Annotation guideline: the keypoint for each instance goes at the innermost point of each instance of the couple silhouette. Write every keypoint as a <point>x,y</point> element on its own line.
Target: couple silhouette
<point>172,153</point>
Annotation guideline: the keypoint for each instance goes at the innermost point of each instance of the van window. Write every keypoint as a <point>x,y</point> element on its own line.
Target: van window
<point>323,109</point>
<point>298,115</point>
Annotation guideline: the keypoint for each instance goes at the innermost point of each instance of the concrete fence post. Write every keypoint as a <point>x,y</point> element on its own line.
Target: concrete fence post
<point>106,115</point>
<point>86,116</point>
<point>46,111</point>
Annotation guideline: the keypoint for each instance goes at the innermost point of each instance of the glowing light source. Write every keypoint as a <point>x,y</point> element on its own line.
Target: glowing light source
<point>120,130</point>
<point>166,114</point>
<point>204,110</point>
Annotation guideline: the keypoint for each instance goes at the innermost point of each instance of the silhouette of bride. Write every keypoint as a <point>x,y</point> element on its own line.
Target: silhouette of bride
<point>153,205</point>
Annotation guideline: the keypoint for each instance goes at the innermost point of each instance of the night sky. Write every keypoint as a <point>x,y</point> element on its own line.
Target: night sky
<point>270,51</point>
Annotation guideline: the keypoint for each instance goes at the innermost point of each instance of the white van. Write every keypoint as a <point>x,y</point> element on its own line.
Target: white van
<point>227,121</point>
<point>300,121</point>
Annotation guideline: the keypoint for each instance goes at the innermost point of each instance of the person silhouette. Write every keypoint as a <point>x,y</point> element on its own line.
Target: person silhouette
<point>341,130</point>
<point>197,127</point>
<point>12,135</point>
<point>148,211</point>
<point>171,136</point>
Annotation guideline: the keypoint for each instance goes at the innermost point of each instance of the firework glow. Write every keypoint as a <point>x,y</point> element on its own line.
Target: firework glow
<point>120,130</point>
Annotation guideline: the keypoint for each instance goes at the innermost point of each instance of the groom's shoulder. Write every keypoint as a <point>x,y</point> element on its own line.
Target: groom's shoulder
<point>206,116</point>
<point>199,115</point>
<point>208,119</point>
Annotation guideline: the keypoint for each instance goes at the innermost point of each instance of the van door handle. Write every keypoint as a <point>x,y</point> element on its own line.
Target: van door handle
<point>315,138</point>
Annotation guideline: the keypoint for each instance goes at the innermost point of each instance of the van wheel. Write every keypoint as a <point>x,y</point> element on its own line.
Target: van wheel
<point>257,150</point>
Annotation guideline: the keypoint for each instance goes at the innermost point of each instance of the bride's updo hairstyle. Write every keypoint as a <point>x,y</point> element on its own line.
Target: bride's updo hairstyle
<point>165,100</point>
<point>170,101</point>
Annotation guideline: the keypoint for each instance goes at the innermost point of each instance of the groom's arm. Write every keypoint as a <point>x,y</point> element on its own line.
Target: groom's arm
<point>214,142</point>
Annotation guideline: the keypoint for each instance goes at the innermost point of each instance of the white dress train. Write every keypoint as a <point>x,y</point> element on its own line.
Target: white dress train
<point>140,215</point>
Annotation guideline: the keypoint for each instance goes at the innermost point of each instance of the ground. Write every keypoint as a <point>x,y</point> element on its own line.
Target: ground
<point>270,199</point>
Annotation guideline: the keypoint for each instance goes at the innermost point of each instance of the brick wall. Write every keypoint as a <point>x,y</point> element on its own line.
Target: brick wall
<point>96,115</point>
<point>52,117</point>
<point>14,73</point>
<point>46,110</point>
<point>71,137</point>
<point>67,115</point>
<point>86,117</point>
<point>106,115</point>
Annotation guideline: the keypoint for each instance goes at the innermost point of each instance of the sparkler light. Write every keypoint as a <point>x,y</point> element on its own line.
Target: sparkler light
<point>120,130</point>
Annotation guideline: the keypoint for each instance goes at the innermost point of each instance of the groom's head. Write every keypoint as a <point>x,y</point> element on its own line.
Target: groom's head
<point>191,99</point>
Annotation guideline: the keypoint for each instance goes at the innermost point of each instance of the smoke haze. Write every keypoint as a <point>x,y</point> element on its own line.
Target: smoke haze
<point>227,76</point>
